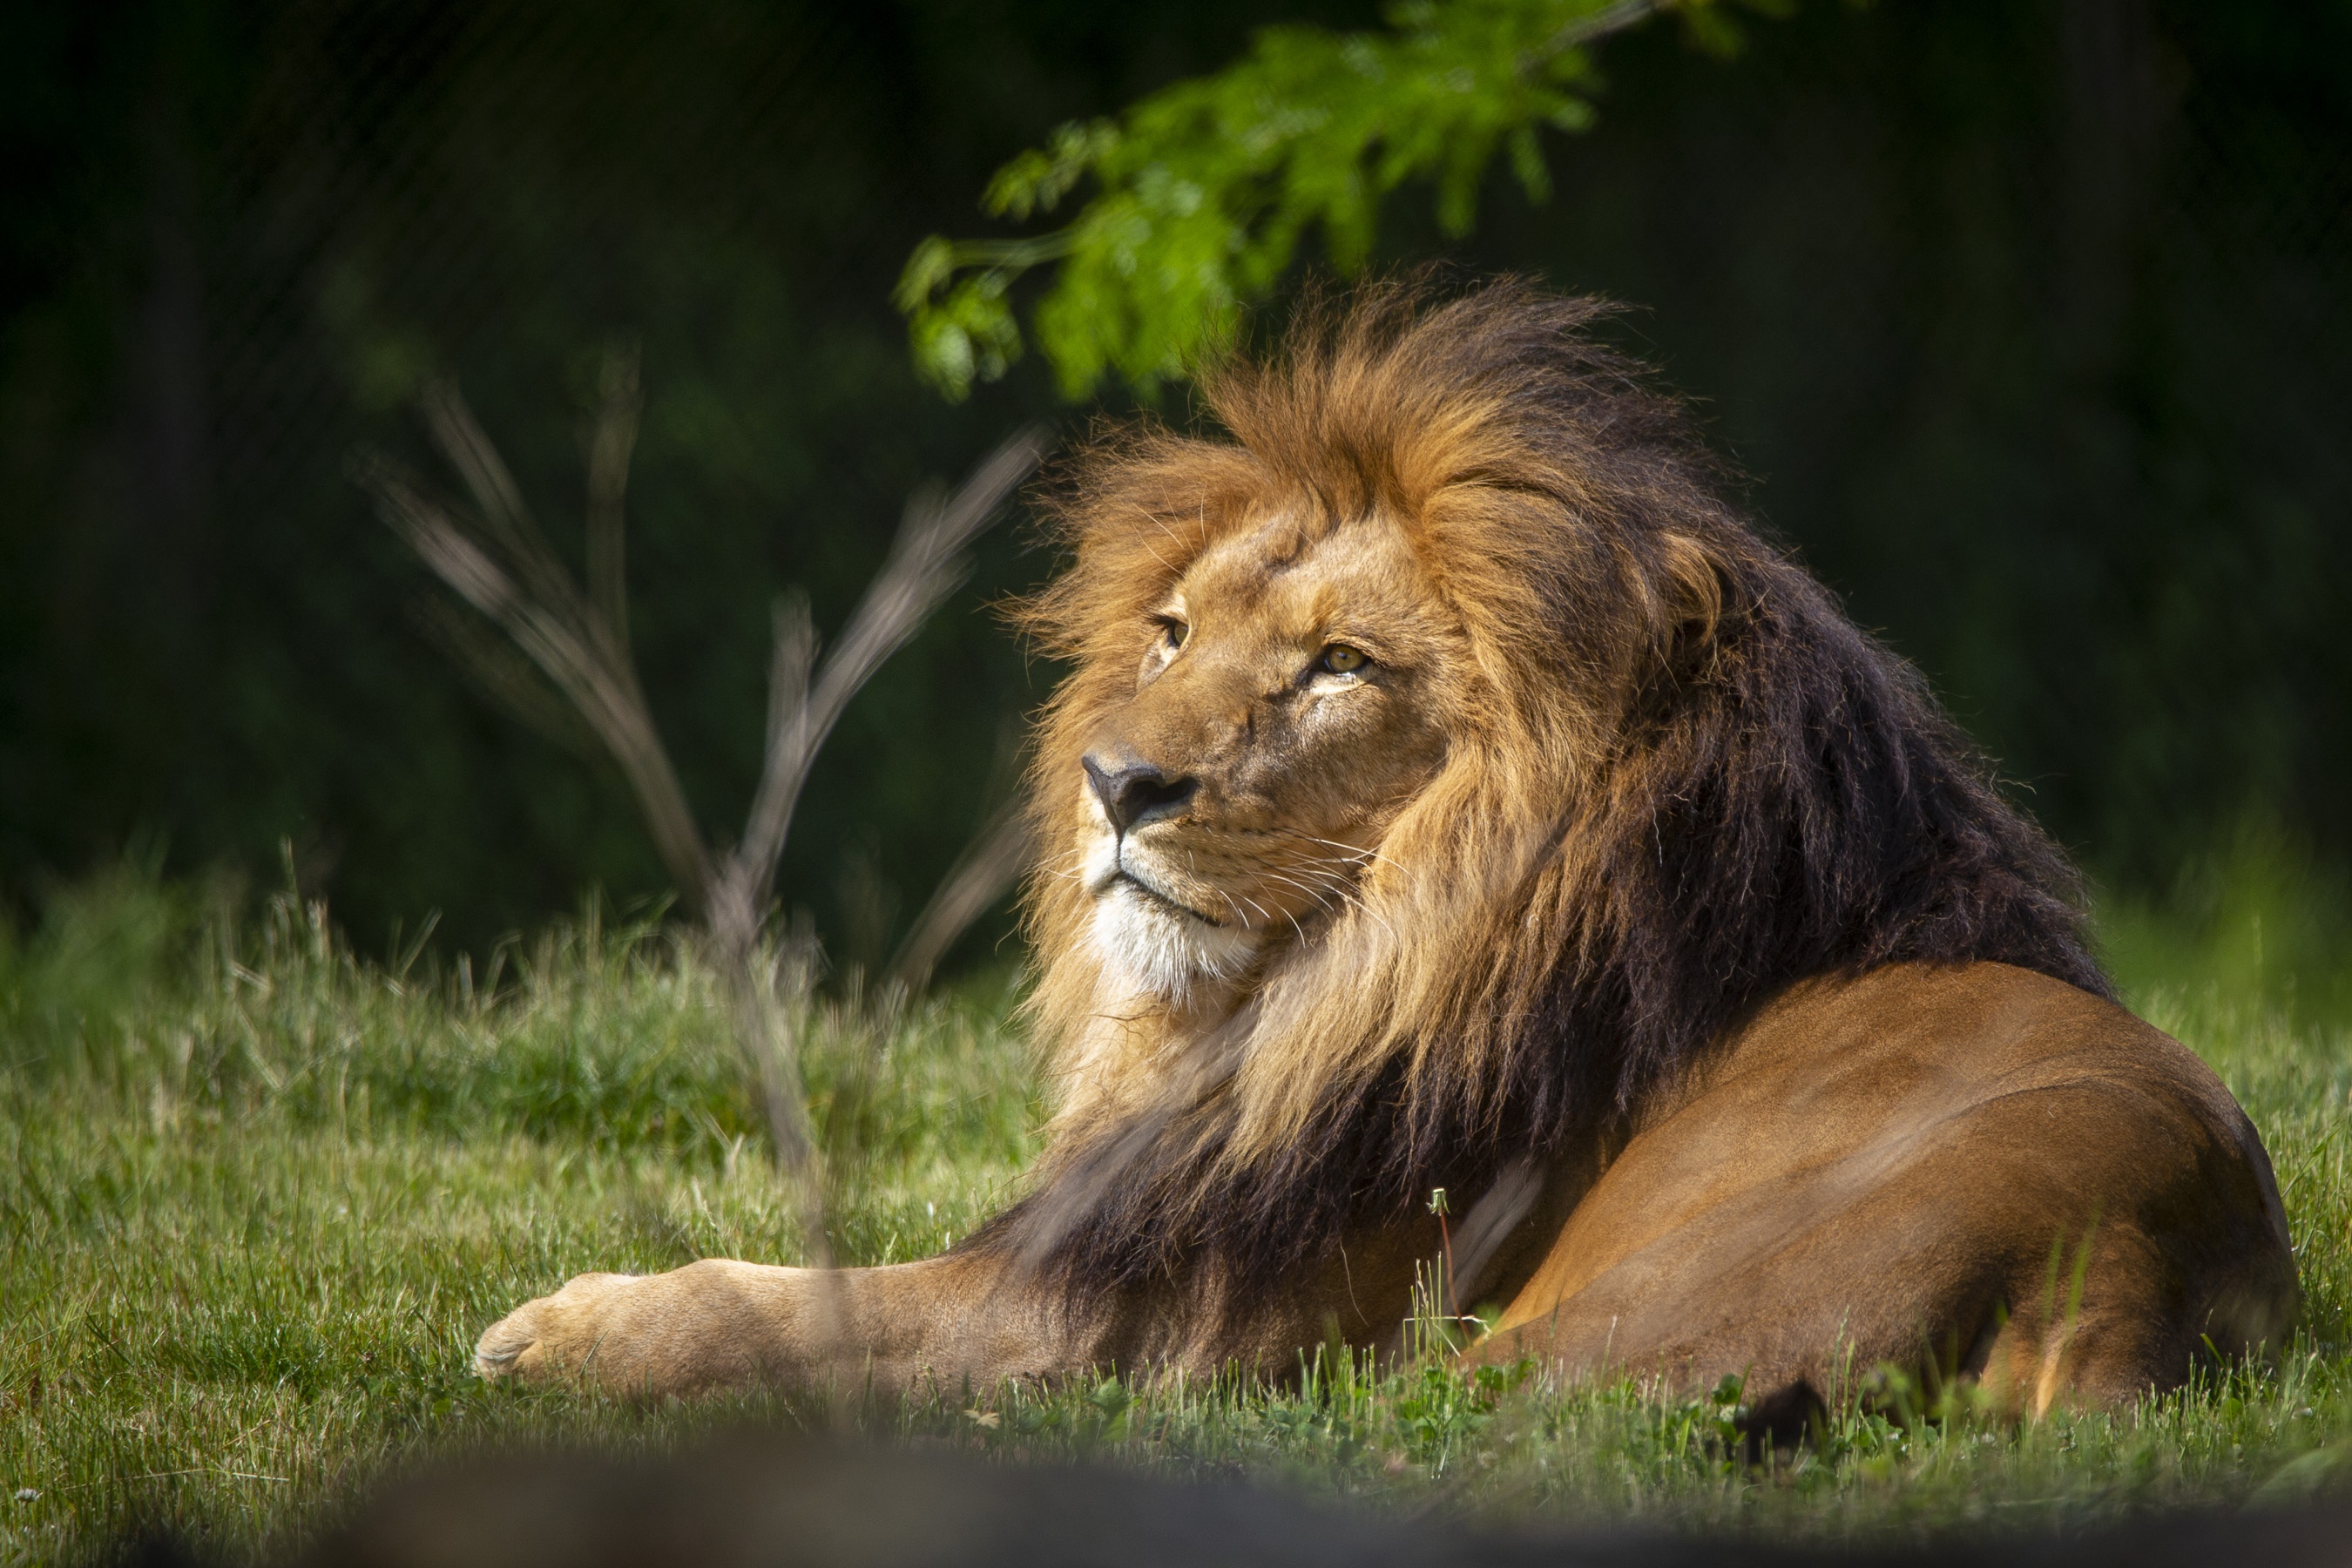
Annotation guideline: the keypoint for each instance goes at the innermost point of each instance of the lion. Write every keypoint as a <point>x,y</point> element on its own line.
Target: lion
<point>1478,862</point>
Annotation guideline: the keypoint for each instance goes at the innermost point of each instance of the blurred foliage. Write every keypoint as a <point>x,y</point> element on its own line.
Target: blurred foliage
<point>2251,918</point>
<point>2033,321</point>
<point>1207,185</point>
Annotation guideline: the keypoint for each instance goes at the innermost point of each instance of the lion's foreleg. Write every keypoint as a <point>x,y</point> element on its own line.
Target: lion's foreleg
<point>719,1322</point>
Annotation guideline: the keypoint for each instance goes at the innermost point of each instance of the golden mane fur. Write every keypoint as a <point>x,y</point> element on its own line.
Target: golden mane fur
<point>1678,780</point>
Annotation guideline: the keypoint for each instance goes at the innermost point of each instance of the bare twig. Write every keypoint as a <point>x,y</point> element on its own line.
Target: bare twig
<point>502,673</point>
<point>463,441</point>
<point>1597,25</point>
<point>529,594</point>
<point>989,865</point>
<point>497,561</point>
<point>926,565</point>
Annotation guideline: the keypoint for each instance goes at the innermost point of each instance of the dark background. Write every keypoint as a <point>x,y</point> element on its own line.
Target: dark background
<point>2030,321</point>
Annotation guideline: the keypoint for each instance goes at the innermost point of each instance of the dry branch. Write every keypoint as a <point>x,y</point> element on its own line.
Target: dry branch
<point>497,560</point>
<point>989,864</point>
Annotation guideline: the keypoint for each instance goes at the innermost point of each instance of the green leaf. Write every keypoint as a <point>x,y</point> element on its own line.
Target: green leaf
<point>931,264</point>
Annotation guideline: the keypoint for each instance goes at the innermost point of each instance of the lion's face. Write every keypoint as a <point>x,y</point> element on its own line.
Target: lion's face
<point>1290,699</point>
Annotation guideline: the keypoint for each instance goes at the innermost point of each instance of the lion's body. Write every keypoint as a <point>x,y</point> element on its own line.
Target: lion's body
<point>1450,790</point>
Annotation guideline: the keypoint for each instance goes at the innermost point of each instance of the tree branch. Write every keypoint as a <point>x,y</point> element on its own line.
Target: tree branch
<point>499,562</point>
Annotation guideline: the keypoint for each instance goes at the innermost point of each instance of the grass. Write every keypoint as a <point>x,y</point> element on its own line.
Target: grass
<point>257,1196</point>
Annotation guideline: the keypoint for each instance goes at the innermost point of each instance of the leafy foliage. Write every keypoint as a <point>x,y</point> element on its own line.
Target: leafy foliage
<point>1206,188</point>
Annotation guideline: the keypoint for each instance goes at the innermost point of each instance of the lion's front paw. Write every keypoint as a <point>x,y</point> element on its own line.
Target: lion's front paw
<point>555,1336</point>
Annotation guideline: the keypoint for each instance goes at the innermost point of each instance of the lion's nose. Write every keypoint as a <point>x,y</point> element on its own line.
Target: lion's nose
<point>1133,793</point>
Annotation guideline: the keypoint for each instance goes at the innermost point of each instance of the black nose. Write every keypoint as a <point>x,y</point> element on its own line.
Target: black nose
<point>1132,791</point>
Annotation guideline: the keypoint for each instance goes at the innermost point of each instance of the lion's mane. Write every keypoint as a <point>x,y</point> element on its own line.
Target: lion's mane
<point>1682,780</point>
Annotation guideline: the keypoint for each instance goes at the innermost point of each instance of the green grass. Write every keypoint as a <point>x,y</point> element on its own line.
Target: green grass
<point>257,1196</point>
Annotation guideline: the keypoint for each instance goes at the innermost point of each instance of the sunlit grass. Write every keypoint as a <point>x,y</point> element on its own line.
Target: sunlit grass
<point>257,1197</point>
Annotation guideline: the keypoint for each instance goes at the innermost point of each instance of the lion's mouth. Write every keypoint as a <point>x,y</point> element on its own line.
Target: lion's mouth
<point>1125,876</point>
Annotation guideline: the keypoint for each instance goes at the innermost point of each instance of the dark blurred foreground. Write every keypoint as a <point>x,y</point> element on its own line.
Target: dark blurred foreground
<point>756,1501</point>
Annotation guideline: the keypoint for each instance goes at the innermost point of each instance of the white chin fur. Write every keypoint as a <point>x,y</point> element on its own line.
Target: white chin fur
<point>1161,951</point>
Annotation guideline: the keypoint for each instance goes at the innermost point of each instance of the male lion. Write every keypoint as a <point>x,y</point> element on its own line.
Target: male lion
<point>1452,790</point>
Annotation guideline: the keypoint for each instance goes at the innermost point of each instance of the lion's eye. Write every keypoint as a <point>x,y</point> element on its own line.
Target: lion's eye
<point>1341,659</point>
<point>1175,631</point>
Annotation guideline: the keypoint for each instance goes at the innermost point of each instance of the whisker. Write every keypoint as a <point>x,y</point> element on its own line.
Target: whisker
<point>1295,926</point>
<point>1320,902</point>
<point>1321,896</point>
<point>1350,851</point>
<point>1260,911</point>
<point>1354,900</point>
<point>1348,898</point>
